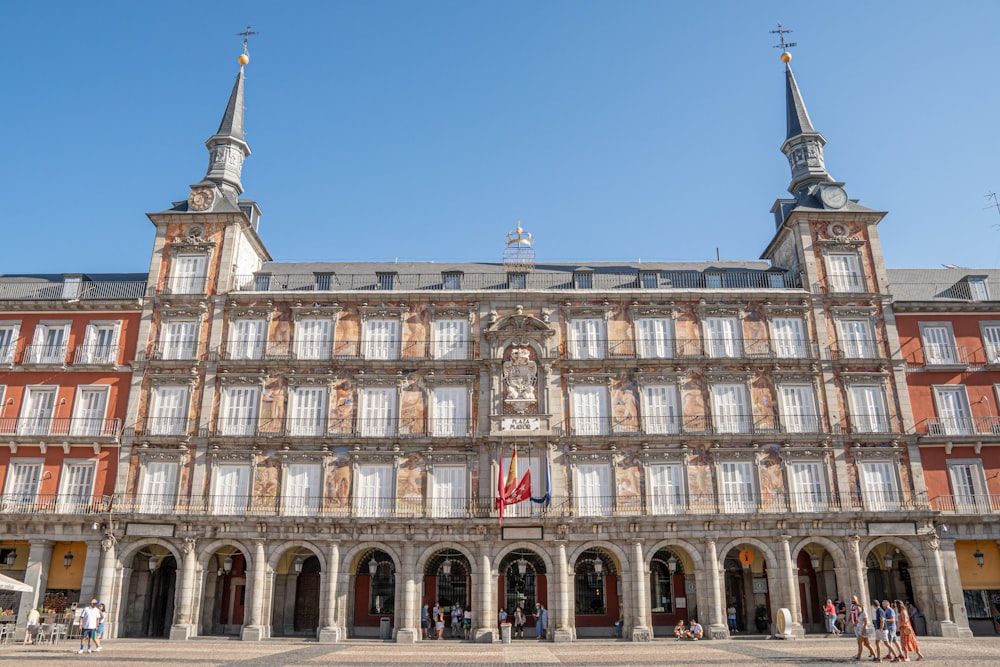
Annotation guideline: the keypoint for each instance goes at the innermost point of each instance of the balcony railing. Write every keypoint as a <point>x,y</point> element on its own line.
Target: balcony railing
<point>678,505</point>
<point>690,348</point>
<point>944,355</point>
<point>867,424</point>
<point>14,503</point>
<point>865,348</point>
<point>96,290</point>
<point>83,427</point>
<point>699,424</point>
<point>959,426</point>
<point>965,504</point>
<point>95,355</point>
<point>847,284</point>
<point>161,351</point>
<point>360,427</point>
<point>536,280</point>
<point>348,349</point>
<point>45,354</point>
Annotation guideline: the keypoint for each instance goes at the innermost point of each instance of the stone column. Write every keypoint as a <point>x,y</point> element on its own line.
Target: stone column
<point>943,623</point>
<point>254,630</point>
<point>330,633</point>
<point>183,627</point>
<point>36,575</point>
<point>857,580</point>
<point>715,619</point>
<point>564,632</point>
<point>105,585</point>
<point>953,589</point>
<point>791,586</point>
<point>91,567</point>
<point>483,611</point>
<point>642,630</point>
<point>407,623</point>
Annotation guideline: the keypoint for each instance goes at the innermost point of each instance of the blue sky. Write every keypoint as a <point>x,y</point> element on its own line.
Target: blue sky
<point>615,130</point>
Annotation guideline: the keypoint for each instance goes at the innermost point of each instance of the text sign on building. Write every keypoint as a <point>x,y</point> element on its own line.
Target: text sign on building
<point>519,424</point>
<point>892,528</point>
<point>149,530</point>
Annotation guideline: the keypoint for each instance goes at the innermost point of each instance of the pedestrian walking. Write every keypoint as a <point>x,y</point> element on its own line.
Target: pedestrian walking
<point>90,618</point>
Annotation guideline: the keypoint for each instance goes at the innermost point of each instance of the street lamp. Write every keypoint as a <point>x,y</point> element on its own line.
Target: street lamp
<point>297,564</point>
<point>152,562</point>
<point>814,559</point>
<point>68,559</point>
<point>227,565</point>
<point>979,556</point>
<point>522,566</point>
<point>598,566</point>
<point>11,557</point>
<point>887,559</point>
<point>672,565</point>
<point>446,567</point>
<point>372,566</point>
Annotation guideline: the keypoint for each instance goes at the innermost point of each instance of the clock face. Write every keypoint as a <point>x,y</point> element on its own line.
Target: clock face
<point>201,199</point>
<point>833,197</point>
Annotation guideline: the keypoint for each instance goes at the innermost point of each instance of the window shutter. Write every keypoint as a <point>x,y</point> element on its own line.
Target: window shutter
<point>449,491</point>
<point>808,487</point>
<point>798,409</point>
<point>723,337</point>
<point>189,273</point>
<point>450,411</point>
<point>845,273</point>
<point>308,414</point>
<point>382,339</point>
<point>662,408</point>
<point>91,405</point>
<point>22,482</point>
<point>655,338</point>
<point>666,488</point>
<point>594,490</point>
<point>170,411</point>
<point>8,342</point>
<point>869,409</point>
<point>77,484</point>
<point>246,339</point>
<point>587,338</point>
<point>939,347</point>
<point>590,410</point>
<point>374,490</point>
<point>302,490</point>
<point>239,417</point>
<point>38,411</point>
<point>731,408</point>
<point>991,337</point>
<point>232,488</point>
<point>159,486</point>
<point>451,339</point>
<point>954,410</point>
<point>378,418</point>
<point>856,339</point>
<point>738,487</point>
<point>315,340</point>
<point>880,486</point>
<point>789,338</point>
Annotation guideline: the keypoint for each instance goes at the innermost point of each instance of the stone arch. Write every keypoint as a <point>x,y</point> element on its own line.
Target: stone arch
<point>839,557</point>
<point>280,549</point>
<point>522,546</point>
<point>206,551</point>
<point>349,556</point>
<point>145,606</point>
<point>606,545</point>
<point>915,557</point>
<point>429,552</point>
<point>675,545</point>
<point>129,551</point>
<point>770,558</point>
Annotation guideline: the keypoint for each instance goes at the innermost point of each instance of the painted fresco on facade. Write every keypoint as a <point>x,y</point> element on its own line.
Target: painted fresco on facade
<point>625,403</point>
<point>628,480</point>
<point>338,481</point>
<point>272,407</point>
<point>267,474</point>
<point>701,479</point>
<point>688,331</point>
<point>770,467</point>
<point>411,478</point>
<point>413,406</point>
<point>342,408</point>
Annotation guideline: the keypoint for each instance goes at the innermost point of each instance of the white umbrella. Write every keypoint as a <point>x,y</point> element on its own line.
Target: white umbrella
<point>8,584</point>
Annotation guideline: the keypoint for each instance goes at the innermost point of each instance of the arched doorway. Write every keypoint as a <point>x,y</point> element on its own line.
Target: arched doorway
<point>522,581</point>
<point>668,591</point>
<point>597,592</point>
<point>817,583</point>
<point>295,611</point>
<point>149,602</point>
<point>224,601</point>
<point>374,592</point>
<point>747,590</point>
<point>448,584</point>
<point>888,574</point>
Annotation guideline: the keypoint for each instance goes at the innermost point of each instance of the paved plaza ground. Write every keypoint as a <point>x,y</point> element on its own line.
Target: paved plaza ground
<point>585,653</point>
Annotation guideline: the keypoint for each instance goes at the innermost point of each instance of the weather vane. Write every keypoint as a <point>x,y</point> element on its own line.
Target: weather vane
<point>786,57</point>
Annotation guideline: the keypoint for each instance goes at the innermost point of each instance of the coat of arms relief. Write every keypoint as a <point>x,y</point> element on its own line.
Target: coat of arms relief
<point>520,377</point>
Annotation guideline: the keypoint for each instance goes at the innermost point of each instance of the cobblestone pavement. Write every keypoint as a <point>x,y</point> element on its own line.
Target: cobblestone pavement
<point>586,653</point>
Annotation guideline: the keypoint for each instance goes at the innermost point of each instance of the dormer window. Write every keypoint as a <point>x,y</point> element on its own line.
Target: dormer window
<point>324,281</point>
<point>713,279</point>
<point>387,280</point>
<point>978,289</point>
<point>648,279</point>
<point>583,279</point>
<point>452,279</point>
<point>517,281</point>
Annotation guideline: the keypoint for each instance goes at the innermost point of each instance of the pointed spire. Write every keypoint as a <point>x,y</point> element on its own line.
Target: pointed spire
<point>226,148</point>
<point>803,144</point>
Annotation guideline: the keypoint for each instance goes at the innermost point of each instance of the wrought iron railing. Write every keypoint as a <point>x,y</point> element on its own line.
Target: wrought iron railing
<point>95,355</point>
<point>359,427</point>
<point>690,348</point>
<point>95,290</point>
<point>952,426</point>
<point>42,353</point>
<point>347,349</point>
<point>967,504</point>
<point>862,348</point>
<point>699,424</point>
<point>84,427</point>
<point>64,503</point>
<point>535,280</point>
<point>169,351</point>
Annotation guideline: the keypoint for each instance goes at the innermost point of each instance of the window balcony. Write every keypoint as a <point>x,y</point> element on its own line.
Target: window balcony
<point>349,350</point>
<point>859,350</point>
<point>83,427</point>
<point>847,284</point>
<point>163,426</point>
<point>691,348</point>
<point>974,505</point>
<point>169,352</point>
<point>959,426</point>
<point>872,424</point>
<point>96,355</point>
<point>45,355</point>
<point>696,425</point>
<point>61,504</point>
<point>360,427</point>
<point>940,356</point>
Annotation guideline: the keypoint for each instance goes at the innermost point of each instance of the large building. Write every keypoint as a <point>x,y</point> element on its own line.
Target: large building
<point>318,449</point>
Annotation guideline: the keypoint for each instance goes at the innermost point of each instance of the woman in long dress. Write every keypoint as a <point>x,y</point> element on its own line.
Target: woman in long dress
<point>907,637</point>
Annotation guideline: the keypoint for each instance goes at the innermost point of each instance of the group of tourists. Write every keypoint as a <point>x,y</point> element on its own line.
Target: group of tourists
<point>693,631</point>
<point>433,621</point>
<point>891,625</point>
<point>91,620</point>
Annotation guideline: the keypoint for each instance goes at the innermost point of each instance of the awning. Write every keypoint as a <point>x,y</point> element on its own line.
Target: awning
<point>8,584</point>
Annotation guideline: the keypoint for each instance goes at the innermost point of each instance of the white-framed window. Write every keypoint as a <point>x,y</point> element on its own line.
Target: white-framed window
<point>307,411</point>
<point>666,488</point>
<point>661,409</point>
<point>588,338</point>
<point>655,337</point>
<point>302,491</point>
<point>90,410</point>
<point>869,413</point>
<point>449,412</point>
<point>231,488</point>
<point>451,279</point>
<point>240,408</point>
<point>968,486</point>
<point>938,341</point>
<point>189,274</point>
<point>314,338</point>
<point>21,489</point>
<point>169,410</point>
<point>37,410</point>
<point>158,487</point>
<point>583,280</point>
<point>953,410</point>
<point>450,339</point>
<point>382,338</point>
<point>179,339</point>
<point>100,343</point>
<point>978,289</point>
<point>379,416</point>
<point>857,340</point>
<point>76,487</point>
<point>374,491</point>
<point>798,408</point>
<point>448,489</point>
<point>9,332</point>
<point>51,343</point>
<point>991,341</point>
<point>723,337</point>
<point>844,272</point>
<point>881,486</point>
<point>590,409</point>
<point>807,480</point>
<point>594,495</point>
<point>731,408</point>
<point>738,485</point>
<point>788,337</point>
<point>247,338</point>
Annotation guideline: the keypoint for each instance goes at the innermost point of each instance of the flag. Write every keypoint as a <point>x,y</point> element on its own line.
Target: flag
<point>520,492</point>
<point>500,493</point>
<point>547,498</point>
<point>511,482</point>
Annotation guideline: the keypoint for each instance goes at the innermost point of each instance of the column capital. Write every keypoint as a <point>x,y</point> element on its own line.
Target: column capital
<point>188,545</point>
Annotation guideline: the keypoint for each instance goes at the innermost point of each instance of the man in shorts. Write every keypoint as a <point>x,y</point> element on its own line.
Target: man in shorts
<point>90,618</point>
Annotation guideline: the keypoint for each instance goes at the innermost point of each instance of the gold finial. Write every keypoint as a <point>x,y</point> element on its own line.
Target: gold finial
<point>519,236</point>
<point>786,57</point>
<point>245,56</point>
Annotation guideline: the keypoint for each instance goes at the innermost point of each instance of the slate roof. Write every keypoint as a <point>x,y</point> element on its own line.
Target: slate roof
<point>909,285</point>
